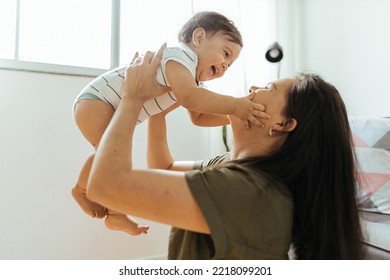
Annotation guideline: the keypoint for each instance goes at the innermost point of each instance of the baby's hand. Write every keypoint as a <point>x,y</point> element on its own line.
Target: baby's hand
<point>250,112</point>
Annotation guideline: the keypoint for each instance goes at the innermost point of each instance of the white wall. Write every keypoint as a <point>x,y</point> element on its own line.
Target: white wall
<point>41,153</point>
<point>345,41</point>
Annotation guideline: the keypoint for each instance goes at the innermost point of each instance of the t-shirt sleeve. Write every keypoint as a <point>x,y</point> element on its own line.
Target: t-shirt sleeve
<point>202,164</point>
<point>185,57</point>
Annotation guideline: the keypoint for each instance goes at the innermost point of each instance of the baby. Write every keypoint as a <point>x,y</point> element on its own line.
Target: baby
<point>209,44</point>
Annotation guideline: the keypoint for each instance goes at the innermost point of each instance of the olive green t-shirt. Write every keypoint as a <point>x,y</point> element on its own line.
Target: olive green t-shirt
<point>249,215</point>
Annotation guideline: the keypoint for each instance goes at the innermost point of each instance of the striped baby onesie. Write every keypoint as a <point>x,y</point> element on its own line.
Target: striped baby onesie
<point>108,86</point>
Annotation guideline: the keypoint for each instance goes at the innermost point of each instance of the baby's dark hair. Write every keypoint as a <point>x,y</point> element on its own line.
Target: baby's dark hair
<point>211,22</point>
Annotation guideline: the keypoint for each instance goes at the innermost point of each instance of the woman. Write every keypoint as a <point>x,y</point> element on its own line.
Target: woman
<point>291,181</point>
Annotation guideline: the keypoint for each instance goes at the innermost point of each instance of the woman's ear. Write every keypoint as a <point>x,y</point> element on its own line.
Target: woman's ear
<point>198,36</point>
<point>285,126</point>
<point>290,125</point>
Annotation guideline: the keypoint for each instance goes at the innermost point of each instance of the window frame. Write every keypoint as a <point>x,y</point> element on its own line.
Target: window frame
<point>20,65</point>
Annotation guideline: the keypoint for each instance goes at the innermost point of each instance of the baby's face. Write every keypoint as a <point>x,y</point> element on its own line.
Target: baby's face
<point>216,54</point>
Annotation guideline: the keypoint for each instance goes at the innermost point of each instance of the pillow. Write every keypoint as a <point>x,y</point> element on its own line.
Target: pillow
<point>371,138</point>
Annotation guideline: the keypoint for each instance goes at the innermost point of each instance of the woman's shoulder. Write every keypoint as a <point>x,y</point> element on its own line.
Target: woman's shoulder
<point>256,178</point>
<point>215,161</point>
<point>226,175</point>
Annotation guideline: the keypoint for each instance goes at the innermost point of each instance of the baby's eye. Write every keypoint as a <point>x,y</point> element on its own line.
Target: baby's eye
<point>227,54</point>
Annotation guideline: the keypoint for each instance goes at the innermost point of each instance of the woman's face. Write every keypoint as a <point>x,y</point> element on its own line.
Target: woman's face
<point>273,97</point>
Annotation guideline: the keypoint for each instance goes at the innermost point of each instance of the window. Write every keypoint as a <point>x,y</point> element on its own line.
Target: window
<point>65,36</point>
<point>7,29</point>
<point>90,36</point>
<point>84,39</point>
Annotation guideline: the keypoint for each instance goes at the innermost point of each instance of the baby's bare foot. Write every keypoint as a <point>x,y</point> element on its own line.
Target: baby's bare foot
<point>124,223</point>
<point>91,208</point>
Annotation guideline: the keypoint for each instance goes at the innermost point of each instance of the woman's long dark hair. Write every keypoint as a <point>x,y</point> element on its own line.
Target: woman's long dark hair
<point>317,163</point>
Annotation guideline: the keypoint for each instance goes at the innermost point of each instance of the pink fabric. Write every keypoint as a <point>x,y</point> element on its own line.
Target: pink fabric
<point>372,182</point>
<point>371,140</point>
<point>358,142</point>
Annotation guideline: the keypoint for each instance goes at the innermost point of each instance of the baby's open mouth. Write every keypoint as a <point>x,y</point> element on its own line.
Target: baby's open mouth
<point>214,70</point>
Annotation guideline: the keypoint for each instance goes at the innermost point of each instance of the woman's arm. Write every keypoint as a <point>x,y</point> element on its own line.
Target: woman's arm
<point>158,153</point>
<point>158,195</point>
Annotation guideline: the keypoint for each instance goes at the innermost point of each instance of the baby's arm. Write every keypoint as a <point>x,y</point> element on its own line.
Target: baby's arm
<point>210,120</point>
<point>205,101</point>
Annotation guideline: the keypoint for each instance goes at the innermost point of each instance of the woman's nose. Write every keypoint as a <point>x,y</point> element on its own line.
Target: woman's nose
<point>252,89</point>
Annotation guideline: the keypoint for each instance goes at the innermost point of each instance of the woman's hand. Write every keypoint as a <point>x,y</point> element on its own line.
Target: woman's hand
<point>140,79</point>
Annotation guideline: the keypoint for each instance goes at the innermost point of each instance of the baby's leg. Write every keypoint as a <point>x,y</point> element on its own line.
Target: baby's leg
<point>92,117</point>
<point>79,193</point>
